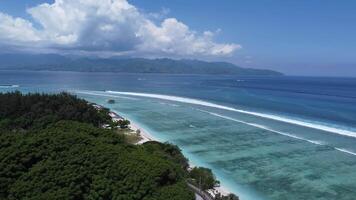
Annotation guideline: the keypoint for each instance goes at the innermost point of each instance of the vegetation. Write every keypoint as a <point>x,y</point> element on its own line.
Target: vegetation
<point>203,178</point>
<point>168,151</point>
<point>51,147</point>
<point>130,136</point>
<point>36,111</point>
<point>124,123</point>
<point>228,197</point>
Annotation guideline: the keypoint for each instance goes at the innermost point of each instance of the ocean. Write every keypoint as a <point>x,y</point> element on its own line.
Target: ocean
<point>264,137</point>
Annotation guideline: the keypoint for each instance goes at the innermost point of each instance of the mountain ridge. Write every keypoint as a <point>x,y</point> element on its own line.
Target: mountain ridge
<point>54,62</point>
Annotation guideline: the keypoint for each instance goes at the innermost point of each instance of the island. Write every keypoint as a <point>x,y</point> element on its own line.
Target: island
<point>57,146</point>
<point>53,62</point>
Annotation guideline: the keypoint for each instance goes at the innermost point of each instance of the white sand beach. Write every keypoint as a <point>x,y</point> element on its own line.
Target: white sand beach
<point>145,135</point>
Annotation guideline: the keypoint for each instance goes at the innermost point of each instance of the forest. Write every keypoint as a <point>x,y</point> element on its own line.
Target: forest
<point>52,147</point>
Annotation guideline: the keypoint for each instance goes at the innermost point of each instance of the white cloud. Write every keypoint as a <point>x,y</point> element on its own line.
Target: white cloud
<point>159,15</point>
<point>16,30</point>
<point>107,25</point>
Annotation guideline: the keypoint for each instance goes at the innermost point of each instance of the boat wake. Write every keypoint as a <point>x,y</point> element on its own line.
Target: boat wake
<point>257,114</point>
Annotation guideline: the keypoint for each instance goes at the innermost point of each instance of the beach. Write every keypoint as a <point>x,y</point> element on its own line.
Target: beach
<point>146,136</point>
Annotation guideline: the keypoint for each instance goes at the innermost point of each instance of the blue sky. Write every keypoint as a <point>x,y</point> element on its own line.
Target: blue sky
<point>298,37</point>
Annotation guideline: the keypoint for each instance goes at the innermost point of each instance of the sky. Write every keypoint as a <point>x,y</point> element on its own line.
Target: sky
<point>296,37</point>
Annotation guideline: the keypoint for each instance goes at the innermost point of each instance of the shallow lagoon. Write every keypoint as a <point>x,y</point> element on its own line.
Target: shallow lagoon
<point>253,156</point>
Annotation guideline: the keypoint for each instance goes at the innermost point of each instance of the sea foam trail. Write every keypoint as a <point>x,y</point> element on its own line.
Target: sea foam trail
<point>263,115</point>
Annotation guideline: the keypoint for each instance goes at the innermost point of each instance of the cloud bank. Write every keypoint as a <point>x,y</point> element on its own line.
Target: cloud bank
<point>111,26</point>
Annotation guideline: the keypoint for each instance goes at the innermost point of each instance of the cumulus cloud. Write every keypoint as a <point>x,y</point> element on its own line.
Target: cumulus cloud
<point>16,30</point>
<point>106,26</point>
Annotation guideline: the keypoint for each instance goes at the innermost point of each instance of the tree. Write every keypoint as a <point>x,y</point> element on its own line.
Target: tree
<point>169,151</point>
<point>72,160</point>
<point>203,178</point>
<point>35,111</point>
<point>114,124</point>
<point>65,154</point>
<point>124,123</point>
<point>228,197</point>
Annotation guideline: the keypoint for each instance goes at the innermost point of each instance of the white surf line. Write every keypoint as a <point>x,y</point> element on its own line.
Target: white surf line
<point>345,151</point>
<point>9,86</point>
<point>261,127</point>
<point>278,132</point>
<point>266,116</point>
<point>104,95</point>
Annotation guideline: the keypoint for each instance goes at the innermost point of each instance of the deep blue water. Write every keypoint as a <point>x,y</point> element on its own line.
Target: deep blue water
<point>264,137</point>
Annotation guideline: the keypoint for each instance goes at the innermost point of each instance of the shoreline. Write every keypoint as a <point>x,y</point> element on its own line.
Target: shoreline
<point>146,136</point>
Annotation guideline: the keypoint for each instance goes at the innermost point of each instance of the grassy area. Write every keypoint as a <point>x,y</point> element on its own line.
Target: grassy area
<point>131,136</point>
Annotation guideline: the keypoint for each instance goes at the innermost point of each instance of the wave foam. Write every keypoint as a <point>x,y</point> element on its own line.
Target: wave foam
<point>169,104</point>
<point>346,151</point>
<point>261,127</point>
<point>263,115</point>
<point>104,95</point>
<point>278,132</point>
<point>9,86</point>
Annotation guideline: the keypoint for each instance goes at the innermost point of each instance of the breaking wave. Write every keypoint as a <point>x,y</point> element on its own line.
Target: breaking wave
<point>9,86</point>
<point>257,114</point>
<point>278,132</point>
<point>101,94</point>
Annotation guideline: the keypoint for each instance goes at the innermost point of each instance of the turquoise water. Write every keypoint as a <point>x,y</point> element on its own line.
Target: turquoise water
<point>265,138</point>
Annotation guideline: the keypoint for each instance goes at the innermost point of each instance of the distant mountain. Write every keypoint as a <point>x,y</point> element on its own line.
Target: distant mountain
<point>54,62</point>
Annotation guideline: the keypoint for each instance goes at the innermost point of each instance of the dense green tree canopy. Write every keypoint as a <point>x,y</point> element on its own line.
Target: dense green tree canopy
<point>61,153</point>
<point>169,151</point>
<point>19,111</point>
<point>203,178</point>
